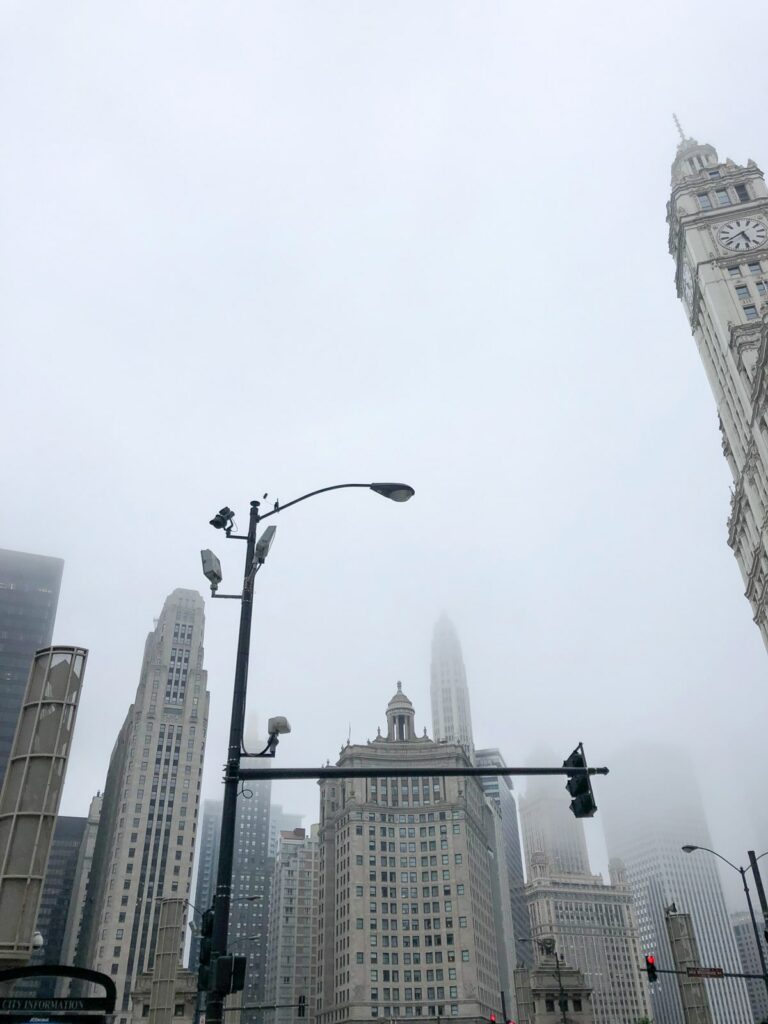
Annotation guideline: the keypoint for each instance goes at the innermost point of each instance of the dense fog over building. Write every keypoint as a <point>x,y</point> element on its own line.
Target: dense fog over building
<point>263,248</point>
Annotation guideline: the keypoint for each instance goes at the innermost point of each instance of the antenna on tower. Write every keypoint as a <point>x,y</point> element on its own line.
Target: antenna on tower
<point>679,127</point>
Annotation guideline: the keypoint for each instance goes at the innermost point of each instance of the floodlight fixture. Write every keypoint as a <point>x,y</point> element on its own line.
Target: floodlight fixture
<point>263,544</point>
<point>211,569</point>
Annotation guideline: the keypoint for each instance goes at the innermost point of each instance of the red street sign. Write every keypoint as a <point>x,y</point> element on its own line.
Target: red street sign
<point>704,972</point>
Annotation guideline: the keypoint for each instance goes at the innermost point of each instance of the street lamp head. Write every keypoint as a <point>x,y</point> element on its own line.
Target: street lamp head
<point>223,518</point>
<point>264,544</point>
<point>395,492</point>
<point>689,849</point>
<point>211,568</point>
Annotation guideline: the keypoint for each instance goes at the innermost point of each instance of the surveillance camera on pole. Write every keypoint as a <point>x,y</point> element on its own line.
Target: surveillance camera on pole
<point>211,569</point>
<point>278,726</point>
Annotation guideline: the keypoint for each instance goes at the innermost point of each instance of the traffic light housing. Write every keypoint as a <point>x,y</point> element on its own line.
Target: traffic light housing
<point>230,974</point>
<point>302,1006</point>
<point>204,963</point>
<point>492,1018</point>
<point>650,967</point>
<point>579,785</point>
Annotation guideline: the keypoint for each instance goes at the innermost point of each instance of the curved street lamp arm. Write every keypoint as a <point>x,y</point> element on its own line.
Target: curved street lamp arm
<point>716,854</point>
<point>322,490</point>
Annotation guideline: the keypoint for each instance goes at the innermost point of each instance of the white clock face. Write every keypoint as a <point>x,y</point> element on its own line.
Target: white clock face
<point>687,285</point>
<point>742,235</point>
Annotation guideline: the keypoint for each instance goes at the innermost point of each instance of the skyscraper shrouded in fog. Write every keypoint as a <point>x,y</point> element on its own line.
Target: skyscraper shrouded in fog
<point>451,715</point>
<point>408,897</point>
<point>452,723</point>
<point>718,237</point>
<point>647,835</point>
<point>593,925</point>
<point>146,837</point>
<point>29,595</point>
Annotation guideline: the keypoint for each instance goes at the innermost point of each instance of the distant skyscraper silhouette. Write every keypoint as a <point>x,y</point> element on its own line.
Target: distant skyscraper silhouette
<point>29,594</point>
<point>451,715</point>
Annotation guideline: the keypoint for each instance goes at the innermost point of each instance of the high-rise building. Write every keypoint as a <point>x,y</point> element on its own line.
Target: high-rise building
<point>718,237</point>
<point>79,884</point>
<point>257,831</point>
<point>54,903</point>
<point>207,865</point>
<point>647,820</point>
<point>499,789</point>
<point>409,875</point>
<point>146,836</point>
<point>291,966</point>
<point>593,925</point>
<point>29,595</point>
<point>746,944</point>
<point>451,715</point>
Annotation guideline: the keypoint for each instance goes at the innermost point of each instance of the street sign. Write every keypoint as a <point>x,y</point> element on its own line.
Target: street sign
<point>704,972</point>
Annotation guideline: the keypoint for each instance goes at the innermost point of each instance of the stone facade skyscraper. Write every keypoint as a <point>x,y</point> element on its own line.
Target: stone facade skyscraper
<point>146,836</point>
<point>647,835</point>
<point>593,925</point>
<point>718,237</point>
<point>410,878</point>
<point>451,715</point>
<point>29,595</point>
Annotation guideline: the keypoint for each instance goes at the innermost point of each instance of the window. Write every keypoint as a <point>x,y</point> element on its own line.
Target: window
<point>705,203</point>
<point>577,1004</point>
<point>460,890</point>
<point>462,922</point>
<point>178,1010</point>
<point>361,958</point>
<point>762,288</point>
<point>457,858</point>
<point>359,923</point>
<point>742,194</point>
<point>465,955</point>
<point>714,174</point>
<point>743,292</point>
<point>753,268</point>
<point>750,312</point>
<point>736,271</point>
<point>549,1004</point>
<point>723,199</point>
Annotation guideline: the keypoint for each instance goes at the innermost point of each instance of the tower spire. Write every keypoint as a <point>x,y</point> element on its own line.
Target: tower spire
<point>680,131</point>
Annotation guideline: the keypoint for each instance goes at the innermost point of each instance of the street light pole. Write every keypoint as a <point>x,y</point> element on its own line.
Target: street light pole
<point>232,773</point>
<point>221,904</point>
<point>743,873</point>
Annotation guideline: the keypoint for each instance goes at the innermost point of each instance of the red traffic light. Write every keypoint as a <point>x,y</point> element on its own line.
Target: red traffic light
<point>492,1018</point>
<point>650,967</point>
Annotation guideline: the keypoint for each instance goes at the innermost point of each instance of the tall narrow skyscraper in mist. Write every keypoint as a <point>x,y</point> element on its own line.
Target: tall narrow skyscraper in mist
<point>651,809</point>
<point>451,716</point>
<point>146,837</point>
<point>29,595</point>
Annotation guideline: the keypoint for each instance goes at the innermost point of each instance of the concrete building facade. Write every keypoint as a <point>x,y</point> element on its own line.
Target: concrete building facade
<point>500,791</point>
<point>79,886</point>
<point>29,596</point>
<point>291,967</point>
<point>406,915</point>
<point>146,837</point>
<point>593,925</point>
<point>750,963</point>
<point>718,237</point>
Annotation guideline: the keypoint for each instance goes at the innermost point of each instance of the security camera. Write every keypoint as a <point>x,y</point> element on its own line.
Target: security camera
<point>278,726</point>
<point>264,543</point>
<point>223,518</point>
<point>37,941</point>
<point>211,568</point>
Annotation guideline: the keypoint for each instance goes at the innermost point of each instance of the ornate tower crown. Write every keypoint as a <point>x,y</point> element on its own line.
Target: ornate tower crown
<point>400,717</point>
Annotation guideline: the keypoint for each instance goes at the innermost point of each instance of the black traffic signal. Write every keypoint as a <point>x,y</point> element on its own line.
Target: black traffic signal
<point>650,966</point>
<point>204,963</point>
<point>492,1018</point>
<point>302,1006</point>
<point>230,974</point>
<point>579,786</point>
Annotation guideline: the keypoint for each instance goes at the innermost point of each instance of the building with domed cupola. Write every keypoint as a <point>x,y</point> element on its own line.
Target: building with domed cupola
<point>411,920</point>
<point>718,237</point>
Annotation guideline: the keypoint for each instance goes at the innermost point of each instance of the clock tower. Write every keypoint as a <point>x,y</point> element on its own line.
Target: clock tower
<point>718,237</point>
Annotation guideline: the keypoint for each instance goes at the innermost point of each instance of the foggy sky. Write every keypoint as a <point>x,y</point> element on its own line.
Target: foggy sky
<point>254,247</point>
